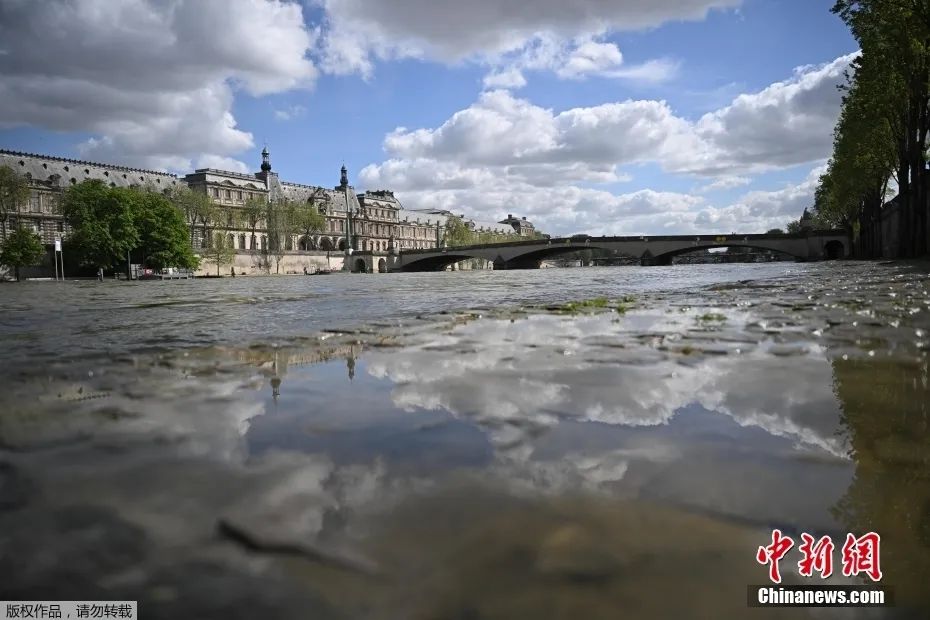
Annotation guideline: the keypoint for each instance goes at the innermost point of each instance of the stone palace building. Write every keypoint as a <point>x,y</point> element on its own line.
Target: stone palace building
<point>378,222</point>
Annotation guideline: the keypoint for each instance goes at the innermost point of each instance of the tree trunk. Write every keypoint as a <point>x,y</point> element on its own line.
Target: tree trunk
<point>917,190</point>
<point>16,271</point>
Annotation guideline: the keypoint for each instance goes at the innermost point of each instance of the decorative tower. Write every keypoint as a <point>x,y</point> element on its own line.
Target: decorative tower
<point>266,160</point>
<point>350,228</point>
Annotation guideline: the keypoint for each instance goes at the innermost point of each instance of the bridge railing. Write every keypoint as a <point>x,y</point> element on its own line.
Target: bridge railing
<point>591,240</point>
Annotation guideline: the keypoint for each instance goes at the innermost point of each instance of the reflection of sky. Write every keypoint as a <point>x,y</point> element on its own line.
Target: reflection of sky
<point>537,404</point>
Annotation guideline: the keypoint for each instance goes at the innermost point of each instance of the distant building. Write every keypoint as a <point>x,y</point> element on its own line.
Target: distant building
<point>374,221</point>
<point>49,176</point>
<point>520,225</point>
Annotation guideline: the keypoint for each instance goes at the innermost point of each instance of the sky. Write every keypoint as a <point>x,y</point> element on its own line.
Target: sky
<point>594,116</point>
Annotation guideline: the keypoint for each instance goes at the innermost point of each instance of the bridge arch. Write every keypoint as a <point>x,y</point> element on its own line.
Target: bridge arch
<point>648,250</point>
<point>437,262</point>
<point>666,258</point>
<point>834,249</point>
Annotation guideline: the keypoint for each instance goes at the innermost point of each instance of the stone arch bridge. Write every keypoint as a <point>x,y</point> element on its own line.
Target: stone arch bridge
<point>806,246</point>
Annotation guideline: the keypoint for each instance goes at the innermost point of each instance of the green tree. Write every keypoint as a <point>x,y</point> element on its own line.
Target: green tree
<point>280,221</point>
<point>22,248</point>
<point>14,191</point>
<point>197,208</point>
<point>457,233</point>
<point>220,250</point>
<point>253,213</point>
<point>884,121</point>
<point>308,220</point>
<point>164,240</point>
<point>775,231</point>
<point>103,228</point>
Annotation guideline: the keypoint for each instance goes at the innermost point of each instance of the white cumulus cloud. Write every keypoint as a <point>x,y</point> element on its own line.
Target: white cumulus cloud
<point>505,154</point>
<point>154,82</point>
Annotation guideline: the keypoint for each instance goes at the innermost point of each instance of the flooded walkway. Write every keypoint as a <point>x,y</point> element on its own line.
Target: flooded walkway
<point>610,443</point>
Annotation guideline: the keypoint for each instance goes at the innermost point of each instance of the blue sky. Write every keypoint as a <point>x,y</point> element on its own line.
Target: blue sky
<point>635,116</point>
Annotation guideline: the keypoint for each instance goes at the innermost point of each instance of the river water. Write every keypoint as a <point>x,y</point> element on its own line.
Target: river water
<point>575,443</point>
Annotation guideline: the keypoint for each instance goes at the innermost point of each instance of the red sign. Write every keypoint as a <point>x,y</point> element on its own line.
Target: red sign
<point>859,555</point>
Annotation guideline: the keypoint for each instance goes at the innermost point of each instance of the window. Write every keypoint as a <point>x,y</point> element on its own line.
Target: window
<point>216,193</point>
<point>239,195</point>
<point>35,203</point>
<point>227,195</point>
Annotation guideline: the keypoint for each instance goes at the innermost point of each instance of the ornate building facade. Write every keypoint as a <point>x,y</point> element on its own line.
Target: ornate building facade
<point>370,222</point>
<point>49,176</point>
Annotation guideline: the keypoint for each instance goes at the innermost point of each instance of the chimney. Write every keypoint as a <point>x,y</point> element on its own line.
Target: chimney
<point>510,216</point>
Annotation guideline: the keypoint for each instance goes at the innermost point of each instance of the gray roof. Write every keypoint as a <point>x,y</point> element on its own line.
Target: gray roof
<point>338,199</point>
<point>493,226</point>
<point>302,193</point>
<point>421,216</point>
<point>44,168</point>
<point>478,224</point>
<point>227,177</point>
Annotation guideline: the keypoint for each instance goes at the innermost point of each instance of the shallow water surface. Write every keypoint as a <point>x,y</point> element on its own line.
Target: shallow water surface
<point>523,459</point>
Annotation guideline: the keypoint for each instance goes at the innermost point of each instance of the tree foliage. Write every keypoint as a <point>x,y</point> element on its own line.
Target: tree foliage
<point>458,233</point>
<point>22,248</point>
<point>163,238</point>
<point>881,135</point>
<point>220,250</point>
<point>109,223</point>
<point>308,220</point>
<point>253,214</point>
<point>281,224</point>
<point>14,191</point>
<point>197,208</point>
<point>102,224</point>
